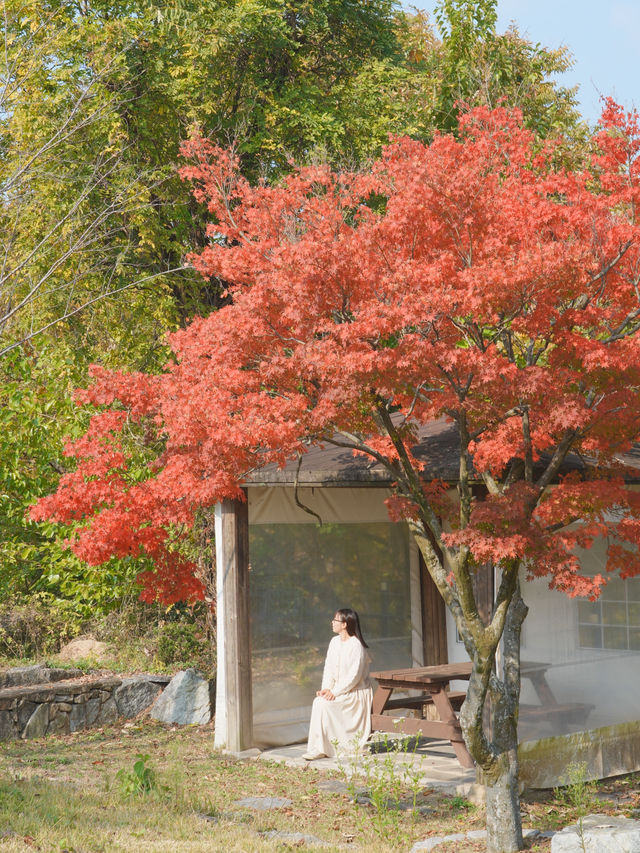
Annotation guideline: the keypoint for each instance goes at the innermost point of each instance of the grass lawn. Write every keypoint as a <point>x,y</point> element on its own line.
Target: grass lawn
<point>79,793</point>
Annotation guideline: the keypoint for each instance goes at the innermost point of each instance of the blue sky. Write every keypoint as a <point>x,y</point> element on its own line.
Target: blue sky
<point>604,38</point>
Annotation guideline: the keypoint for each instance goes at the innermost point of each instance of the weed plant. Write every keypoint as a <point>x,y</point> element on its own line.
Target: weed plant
<point>392,782</point>
<point>577,793</point>
<point>141,779</point>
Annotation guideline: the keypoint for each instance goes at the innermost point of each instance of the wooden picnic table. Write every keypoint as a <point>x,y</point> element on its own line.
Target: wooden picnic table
<point>433,683</point>
<point>433,680</point>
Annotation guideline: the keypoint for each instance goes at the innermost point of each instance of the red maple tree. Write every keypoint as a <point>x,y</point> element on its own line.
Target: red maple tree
<point>474,279</point>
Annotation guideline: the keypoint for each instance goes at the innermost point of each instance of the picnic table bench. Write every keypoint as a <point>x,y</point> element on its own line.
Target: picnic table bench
<point>433,684</point>
<point>432,681</point>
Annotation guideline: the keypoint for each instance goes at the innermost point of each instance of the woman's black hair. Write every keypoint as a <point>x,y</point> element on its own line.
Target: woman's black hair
<point>352,621</point>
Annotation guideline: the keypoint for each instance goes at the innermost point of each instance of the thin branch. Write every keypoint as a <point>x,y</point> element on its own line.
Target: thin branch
<point>583,301</point>
<point>85,305</point>
<point>557,459</point>
<point>356,443</point>
<point>296,496</point>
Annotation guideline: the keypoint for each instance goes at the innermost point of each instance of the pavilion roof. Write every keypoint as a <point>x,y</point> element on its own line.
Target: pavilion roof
<point>438,448</point>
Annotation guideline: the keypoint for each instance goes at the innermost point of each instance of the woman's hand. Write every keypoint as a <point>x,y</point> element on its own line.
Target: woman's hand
<point>326,694</point>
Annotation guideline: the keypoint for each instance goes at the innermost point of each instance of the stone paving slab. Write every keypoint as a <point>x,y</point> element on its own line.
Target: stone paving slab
<point>599,833</point>
<point>297,839</point>
<point>435,759</point>
<point>263,804</point>
<point>473,835</point>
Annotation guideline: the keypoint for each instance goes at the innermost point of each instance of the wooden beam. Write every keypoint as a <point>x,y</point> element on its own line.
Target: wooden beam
<point>434,621</point>
<point>234,550</point>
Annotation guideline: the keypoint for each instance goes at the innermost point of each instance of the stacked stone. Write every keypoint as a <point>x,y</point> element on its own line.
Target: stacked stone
<point>38,708</point>
<point>59,708</point>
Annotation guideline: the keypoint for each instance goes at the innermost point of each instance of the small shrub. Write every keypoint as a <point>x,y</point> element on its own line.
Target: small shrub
<point>37,626</point>
<point>179,642</point>
<point>458,803</point>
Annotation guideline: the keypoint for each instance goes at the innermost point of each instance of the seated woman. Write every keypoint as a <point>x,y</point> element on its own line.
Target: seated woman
<point>341,711</point>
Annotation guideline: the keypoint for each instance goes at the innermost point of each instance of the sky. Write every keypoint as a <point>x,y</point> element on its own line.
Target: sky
<point>603,36</point>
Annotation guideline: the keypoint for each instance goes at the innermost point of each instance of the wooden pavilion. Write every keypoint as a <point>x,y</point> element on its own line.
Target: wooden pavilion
<point>575,638</point>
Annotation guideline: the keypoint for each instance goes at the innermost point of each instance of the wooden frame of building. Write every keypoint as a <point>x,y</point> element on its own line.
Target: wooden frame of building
<point>320,468</point>
<point>608,749</point>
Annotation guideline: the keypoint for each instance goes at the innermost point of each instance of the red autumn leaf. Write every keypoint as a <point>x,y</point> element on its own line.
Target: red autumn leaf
<point>472,279</point>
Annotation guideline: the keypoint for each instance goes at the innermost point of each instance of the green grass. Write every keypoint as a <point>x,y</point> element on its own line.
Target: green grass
<point>64,793</point>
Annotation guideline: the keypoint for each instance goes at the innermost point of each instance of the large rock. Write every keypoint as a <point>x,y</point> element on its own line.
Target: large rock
<point>20,676</point>
<point>92,709</point>
<point>187,699</point>
<point>38,673</point>
<point>8,729</point>
<point>78,717</point>
<point>82,648</point>
<point>25,710</point>
<point>135,695</point>
<point>599,833</point>
<point>108,712</point>
<point>59,674</point>
<point>59,722</point>
<point>38,722</point>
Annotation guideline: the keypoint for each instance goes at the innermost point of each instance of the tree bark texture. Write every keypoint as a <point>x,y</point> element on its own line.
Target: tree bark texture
<point>489,715</point>
<point>504,825</point>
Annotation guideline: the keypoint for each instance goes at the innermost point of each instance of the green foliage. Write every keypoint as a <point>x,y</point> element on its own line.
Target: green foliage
<point>147,637</point>
<point>179,642</point>
<point>480,66</point>
<point>101,97</point>
<point>70,196</point>
<point>458,803</point>
<point>98,102</point>
<point>464,22</point>
<point>35,627</point>
<point>37,411</point>
<point>140,780</point>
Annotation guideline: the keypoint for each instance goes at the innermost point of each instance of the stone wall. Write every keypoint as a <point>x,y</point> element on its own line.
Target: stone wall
<point>61,705</point>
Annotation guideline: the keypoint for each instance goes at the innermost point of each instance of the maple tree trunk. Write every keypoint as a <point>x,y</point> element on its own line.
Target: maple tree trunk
<point>489,725</point>
<point>499,774</point>
<point>504,825</point>
<point>489,715</point>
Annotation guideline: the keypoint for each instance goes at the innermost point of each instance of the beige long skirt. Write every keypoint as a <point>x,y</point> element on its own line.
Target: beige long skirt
<point>344,722</point>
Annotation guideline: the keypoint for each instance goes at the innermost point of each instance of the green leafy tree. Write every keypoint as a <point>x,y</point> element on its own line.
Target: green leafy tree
<point>480,67</point>
<point>95,99</point>
<point>36,413</point>
<point>67,190</point>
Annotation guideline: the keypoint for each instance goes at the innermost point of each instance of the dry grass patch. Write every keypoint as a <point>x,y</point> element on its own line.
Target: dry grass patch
<point>71,793</point>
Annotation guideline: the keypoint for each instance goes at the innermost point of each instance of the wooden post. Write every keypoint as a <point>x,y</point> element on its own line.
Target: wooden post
<point>434,621</point>
<point>483,590</point>
<point>232,547</point>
